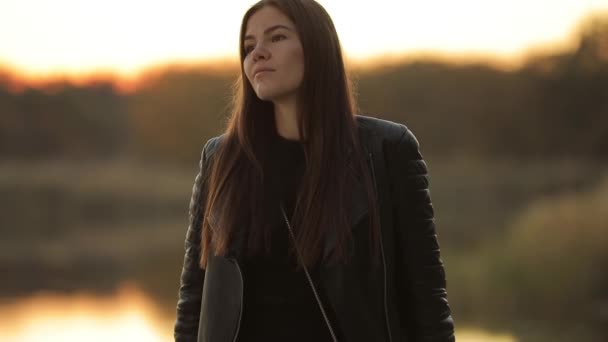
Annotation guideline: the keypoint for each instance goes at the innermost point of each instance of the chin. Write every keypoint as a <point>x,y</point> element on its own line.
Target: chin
<point>268,95</point>
<point>264,96</point>
<point>273,95</point>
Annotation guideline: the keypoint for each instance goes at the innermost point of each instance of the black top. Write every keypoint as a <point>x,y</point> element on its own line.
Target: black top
<point>278,302</point>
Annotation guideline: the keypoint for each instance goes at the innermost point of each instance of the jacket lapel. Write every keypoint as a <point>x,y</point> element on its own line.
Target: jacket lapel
<point>357,209</point>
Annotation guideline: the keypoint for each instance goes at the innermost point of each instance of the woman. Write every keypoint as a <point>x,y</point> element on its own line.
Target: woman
<point>307,222</point>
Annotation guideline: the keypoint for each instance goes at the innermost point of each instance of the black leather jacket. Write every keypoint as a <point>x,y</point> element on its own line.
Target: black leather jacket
<point>404,299</point>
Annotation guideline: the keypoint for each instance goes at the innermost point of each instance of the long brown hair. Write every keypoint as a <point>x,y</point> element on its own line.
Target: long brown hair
<point>327,125</point>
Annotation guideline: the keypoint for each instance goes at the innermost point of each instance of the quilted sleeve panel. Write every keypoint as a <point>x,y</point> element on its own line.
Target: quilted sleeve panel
<point>422,296</point>
<point>192,276</point>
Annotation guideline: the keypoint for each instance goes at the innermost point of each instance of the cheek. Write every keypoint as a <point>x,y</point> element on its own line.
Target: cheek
<point>247,68</point>
<point>297,58</point>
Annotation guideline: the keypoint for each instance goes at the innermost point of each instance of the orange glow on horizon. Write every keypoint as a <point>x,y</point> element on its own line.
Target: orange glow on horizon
<point>73,39</point>
<point>17,79</point>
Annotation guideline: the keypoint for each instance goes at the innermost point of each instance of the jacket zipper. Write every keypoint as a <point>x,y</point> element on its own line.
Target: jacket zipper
<point>388,324</point>
<point>238,323</point>
<point>312,286</point>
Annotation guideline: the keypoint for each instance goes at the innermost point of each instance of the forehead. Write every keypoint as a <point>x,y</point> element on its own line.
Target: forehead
<point>266,17</point>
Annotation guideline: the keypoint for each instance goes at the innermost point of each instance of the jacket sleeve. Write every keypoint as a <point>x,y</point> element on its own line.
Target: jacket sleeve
<point>192,276</point>
<point>422,297</point>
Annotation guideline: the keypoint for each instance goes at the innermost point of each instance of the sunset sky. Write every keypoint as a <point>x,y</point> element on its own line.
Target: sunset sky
<point>39,37</point>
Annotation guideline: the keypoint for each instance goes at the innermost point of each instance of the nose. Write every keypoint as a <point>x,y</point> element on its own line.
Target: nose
<point>260,53</point>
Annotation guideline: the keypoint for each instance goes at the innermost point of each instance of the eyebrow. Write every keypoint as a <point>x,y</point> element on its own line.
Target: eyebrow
<point>268,30</point>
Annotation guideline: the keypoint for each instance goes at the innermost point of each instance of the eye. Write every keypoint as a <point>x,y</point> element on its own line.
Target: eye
<point>277,36</point>
<point>247,49</point>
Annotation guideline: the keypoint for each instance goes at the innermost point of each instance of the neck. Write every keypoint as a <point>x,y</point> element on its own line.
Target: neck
<point>286,119</point>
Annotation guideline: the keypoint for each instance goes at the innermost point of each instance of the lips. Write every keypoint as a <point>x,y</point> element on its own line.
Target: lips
<point>258,70</point>
<point>261,72</point>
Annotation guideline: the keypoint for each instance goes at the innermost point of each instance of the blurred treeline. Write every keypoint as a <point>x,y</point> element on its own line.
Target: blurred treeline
<point>95,182</point>
<point>471,109</point>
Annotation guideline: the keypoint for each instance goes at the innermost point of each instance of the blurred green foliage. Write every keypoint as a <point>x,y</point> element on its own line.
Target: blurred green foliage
<point>547,269</point>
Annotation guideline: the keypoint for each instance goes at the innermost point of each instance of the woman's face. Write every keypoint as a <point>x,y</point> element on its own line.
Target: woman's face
<point>271,42</point>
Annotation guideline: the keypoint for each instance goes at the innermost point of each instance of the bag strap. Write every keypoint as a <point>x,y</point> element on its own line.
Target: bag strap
<point>312,285</point>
